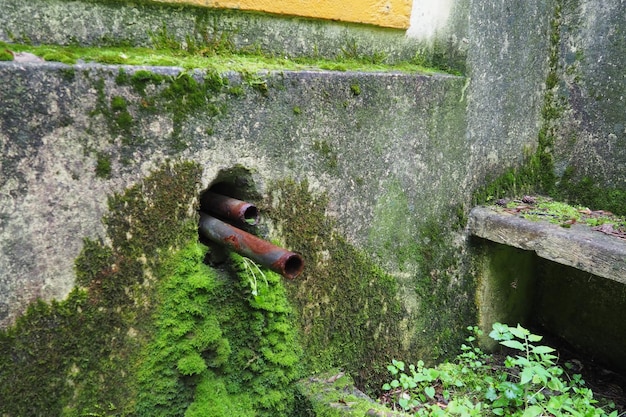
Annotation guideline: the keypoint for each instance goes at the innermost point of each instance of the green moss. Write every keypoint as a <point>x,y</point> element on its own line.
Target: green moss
<point>64,56</point>
<point>182,96</point>
<point>152,330</point>
<point>68,74</point>
<point>587,192</point>
<point>444,290</point>
<point>537,174</point>
<point>356,89</point>
<point>228,352</point>
<point>323,148</point>
<point>77,356</point>
<point>93,259</point>
<point>118,103</point>
<point>5,54</point>
<point>350,315</point>
<point>103,166</point>
<point>221,61</point>
<point>433,281</point>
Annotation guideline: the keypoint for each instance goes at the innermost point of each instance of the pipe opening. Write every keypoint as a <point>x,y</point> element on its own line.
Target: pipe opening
<point>251,215</point>
<point>293,266</point>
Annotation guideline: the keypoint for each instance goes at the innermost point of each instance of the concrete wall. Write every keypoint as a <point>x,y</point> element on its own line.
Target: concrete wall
<point>335,139</point>
<point>590,131</point>
<point>507,65</point>
<point>403,151</point>
<point>398,156</point>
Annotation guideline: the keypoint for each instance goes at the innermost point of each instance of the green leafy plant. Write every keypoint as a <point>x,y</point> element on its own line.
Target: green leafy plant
<point>527,383</point>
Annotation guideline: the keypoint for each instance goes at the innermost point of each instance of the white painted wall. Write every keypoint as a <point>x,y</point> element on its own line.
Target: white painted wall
<point>428,16</point>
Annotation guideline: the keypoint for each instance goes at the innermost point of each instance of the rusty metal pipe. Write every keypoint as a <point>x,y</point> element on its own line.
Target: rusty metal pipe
<point>230,208</point>
<point>286,263</point>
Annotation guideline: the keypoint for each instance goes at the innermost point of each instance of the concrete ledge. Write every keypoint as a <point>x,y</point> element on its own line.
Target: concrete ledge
<point>578,246</point>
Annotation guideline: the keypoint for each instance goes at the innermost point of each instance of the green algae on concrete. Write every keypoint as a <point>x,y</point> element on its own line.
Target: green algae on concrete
<point>564,164</point>
<point>433,282</point>
<point>506,286</point>
<point>349,312</point>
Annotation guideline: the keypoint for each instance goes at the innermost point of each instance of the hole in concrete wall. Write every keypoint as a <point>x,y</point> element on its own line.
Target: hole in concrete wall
<point>229,218</point>
<point>237,183</point>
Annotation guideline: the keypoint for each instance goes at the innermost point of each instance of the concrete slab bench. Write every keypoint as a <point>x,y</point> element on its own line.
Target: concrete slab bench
<point>577,246</point>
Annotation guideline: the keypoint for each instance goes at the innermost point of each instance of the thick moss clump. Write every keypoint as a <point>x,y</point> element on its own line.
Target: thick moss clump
<point>216,348</point>
<point>350,313</point>
<point>151,330</point>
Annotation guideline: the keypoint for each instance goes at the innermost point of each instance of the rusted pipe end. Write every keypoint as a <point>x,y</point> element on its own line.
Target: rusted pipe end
<point>291,265</point>
<point>280,260</point>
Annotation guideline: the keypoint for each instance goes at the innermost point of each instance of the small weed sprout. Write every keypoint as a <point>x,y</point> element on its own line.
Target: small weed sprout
<point>528,384</point>
<point>253,270</point>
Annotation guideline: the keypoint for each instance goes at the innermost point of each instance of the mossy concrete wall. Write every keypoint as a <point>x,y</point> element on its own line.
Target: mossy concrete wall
<point>507,67</point>
<point>114,22</point>
<point>589,99</point>
<point>93,130</point>
<point>369,175</point>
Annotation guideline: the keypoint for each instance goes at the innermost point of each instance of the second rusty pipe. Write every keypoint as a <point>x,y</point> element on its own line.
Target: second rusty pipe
<point>286,263</point>
<point>230,208</point>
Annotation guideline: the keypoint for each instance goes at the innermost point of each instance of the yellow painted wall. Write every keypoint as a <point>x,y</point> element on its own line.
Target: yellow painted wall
<point>387,13</point>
